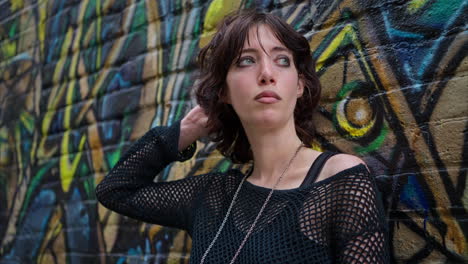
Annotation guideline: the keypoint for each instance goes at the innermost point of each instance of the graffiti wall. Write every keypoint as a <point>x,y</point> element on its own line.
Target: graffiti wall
<point>81,80</point>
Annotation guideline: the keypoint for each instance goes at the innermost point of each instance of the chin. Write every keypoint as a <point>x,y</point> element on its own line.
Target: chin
<point>266,119</point>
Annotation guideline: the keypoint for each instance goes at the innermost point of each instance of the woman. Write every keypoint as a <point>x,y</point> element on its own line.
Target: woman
<point>257,89</point>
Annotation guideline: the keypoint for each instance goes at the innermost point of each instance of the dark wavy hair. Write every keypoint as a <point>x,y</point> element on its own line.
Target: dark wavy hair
<point>216,58</point>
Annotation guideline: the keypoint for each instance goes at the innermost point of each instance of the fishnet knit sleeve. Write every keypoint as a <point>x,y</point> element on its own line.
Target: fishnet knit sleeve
<point>129,188</point>
<point>359,225</point>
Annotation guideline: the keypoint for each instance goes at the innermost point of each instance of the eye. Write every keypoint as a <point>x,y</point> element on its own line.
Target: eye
<point>245,61</point>
<point>283,61</point>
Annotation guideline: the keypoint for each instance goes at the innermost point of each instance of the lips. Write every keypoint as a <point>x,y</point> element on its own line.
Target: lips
<point>267,97</point>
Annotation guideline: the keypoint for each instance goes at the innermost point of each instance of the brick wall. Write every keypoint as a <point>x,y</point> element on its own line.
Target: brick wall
<point>81,80</point>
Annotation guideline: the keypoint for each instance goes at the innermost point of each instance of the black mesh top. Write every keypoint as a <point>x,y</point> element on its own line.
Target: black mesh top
<point>337,220</point>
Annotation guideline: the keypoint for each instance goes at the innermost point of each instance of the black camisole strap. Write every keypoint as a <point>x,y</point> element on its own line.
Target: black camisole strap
<point>316,168</point>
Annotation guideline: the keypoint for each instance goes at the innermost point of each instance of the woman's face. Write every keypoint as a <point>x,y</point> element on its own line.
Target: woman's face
<point>263,85</point>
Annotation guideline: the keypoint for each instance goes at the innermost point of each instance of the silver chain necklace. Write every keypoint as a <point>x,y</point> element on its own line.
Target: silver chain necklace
<point>256,218</point>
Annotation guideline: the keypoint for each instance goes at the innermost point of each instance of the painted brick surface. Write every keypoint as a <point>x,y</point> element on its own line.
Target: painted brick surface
<point>81,80</point>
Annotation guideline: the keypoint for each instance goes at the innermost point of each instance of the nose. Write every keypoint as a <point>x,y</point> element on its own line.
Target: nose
<point>266,76</point>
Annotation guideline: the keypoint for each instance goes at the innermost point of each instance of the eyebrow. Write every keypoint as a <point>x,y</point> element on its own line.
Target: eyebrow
<point>276,48</point>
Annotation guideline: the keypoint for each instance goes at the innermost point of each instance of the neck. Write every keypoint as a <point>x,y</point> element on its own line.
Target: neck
<point>272,150</point>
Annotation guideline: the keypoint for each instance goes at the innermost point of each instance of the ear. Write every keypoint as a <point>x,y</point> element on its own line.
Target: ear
<point>300,86</point>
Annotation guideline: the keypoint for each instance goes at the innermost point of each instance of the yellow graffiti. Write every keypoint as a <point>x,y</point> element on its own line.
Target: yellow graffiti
<point>8,49</point>
<point>68,109</point>
<point>67,168</point>
<point>56,94</point>
<point>343,122</point>
<point>27,145</point>
<point>63,55</point>
<point>16,4</point>
<point>331,49</point>
<point>415,5</point>
<point>317,146</point>
<point>216,12</point>
<point>78,37</point>
<point>42,26</point>
<point>347,34</point>
<point>28,121</point>
<point>98,31</point>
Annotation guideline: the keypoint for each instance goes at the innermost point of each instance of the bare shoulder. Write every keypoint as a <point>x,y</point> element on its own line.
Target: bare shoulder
<point>341,162</point>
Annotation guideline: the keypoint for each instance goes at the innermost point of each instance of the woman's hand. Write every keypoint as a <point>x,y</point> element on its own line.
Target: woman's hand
<point>193,127</point>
